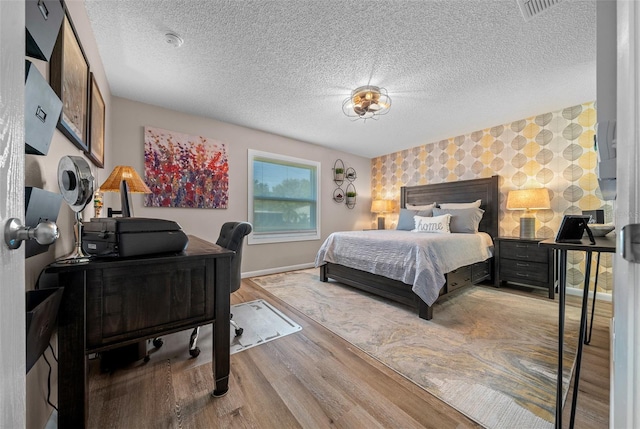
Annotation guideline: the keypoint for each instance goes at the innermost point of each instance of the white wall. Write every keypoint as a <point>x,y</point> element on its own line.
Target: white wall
<point>127,147</point>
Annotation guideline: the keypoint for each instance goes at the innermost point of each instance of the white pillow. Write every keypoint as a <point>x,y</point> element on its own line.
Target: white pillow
<point>473,205</point>
<point>435,224</point>
<point>421,207</point>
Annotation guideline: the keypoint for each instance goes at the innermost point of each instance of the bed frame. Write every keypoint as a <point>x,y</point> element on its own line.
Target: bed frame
<point>449,192</point>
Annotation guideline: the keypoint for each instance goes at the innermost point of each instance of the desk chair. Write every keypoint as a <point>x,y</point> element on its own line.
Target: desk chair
<point>231,237</point>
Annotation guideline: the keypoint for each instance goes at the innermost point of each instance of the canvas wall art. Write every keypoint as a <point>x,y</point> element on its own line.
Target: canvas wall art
<point>183,170</point>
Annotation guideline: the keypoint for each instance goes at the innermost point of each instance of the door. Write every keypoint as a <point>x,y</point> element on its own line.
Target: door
<point>12,278</point>
<point>625,398</point>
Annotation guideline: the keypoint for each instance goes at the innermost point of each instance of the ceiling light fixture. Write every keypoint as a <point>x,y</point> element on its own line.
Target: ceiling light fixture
<point>367,102</point>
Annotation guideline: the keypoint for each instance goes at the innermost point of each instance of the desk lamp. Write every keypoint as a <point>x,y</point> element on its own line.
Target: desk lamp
<point>125,179</point>
<point>528,200</point>
<point>381,206</point>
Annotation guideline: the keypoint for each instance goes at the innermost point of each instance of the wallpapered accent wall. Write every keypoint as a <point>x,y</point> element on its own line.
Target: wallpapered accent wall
<point>553,150</point>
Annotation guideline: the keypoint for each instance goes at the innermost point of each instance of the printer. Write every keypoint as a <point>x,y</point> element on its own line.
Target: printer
<point>132,236</point>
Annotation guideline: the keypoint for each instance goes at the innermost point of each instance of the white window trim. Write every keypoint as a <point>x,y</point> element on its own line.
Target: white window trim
<point>288,236</point>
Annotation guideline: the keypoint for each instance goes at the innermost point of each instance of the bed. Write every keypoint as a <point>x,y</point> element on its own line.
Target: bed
<point>485,189</point>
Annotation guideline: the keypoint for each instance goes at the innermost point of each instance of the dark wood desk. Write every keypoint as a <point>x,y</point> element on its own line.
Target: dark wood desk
<point>109,303</point>
<point>605,244</point>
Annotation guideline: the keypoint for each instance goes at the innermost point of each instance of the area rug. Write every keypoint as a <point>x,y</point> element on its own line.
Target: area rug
<point>489,354</point>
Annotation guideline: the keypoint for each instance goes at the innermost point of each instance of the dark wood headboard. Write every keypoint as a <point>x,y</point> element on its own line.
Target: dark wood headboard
<point>464,191</point>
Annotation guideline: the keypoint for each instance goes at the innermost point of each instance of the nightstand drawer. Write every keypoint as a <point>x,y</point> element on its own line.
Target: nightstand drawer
<point>523,271</point>
<point>522,251</point>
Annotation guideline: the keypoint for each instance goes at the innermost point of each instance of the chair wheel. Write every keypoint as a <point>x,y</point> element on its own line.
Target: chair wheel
<point>147,358</point>
<point>157,343</point>
<point>239,332</point>
<point>194,352</point>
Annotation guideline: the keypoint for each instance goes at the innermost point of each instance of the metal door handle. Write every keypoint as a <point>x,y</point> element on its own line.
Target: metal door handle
<point>46,232</point>
<point>630,242</point>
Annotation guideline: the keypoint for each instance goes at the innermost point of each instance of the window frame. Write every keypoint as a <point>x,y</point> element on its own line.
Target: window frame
<point>288,236</point>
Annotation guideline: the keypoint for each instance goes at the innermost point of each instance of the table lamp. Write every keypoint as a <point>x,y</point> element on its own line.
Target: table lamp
<point>528,200</point>
<point>125,179</point>
<point>381,206</point>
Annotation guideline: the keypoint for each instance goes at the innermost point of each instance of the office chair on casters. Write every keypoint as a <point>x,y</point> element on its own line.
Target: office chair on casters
<point>231,237</point>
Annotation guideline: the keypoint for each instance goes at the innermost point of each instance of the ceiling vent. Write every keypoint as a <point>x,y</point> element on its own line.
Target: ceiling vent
<point>532,8</point>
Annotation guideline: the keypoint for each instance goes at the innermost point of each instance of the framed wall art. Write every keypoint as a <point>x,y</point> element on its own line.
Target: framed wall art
<point>96,124</point>
<point>184,170</point>
<point>69,78</point>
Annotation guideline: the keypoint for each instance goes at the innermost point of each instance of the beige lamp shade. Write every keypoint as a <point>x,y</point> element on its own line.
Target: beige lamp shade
<point>381,206</point>
<point>528,199</point>
<point>125,172</point>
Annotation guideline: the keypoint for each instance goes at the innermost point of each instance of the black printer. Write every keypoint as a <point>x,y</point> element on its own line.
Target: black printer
<point>132,236</point>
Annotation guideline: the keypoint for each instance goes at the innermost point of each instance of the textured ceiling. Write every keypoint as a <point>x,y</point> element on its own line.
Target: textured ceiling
<point>284,67</point>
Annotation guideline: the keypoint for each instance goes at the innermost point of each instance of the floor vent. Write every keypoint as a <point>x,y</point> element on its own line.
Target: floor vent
<point>533,8</point>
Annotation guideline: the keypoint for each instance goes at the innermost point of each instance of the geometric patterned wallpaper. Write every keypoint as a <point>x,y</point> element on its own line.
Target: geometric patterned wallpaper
<point>552,150</point>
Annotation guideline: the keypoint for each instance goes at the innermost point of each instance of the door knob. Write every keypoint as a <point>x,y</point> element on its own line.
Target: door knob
<point>46,232</point>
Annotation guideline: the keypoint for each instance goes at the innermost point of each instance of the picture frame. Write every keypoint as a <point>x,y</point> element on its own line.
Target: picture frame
<point>69,78</point>
<point>96,124</point>
<point>573,228</point>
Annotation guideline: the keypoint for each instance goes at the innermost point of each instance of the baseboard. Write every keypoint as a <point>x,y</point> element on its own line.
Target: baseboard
<point>277,270</point>
<point>601,296</point>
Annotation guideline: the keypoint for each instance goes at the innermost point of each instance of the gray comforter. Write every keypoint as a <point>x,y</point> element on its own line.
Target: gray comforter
<point>418,259</point>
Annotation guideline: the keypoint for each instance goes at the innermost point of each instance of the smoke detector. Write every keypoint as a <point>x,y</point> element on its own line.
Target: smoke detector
<point>173,40</point>
<point>532,8</point>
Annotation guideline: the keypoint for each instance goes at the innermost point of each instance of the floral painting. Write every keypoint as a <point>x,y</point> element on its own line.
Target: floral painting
<point>184,170</point>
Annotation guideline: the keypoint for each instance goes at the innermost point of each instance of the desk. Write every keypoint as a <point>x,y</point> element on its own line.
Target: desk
<point>603,244</point>
<point>109,303</point>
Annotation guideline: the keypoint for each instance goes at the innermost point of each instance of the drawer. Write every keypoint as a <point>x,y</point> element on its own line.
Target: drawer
<point>458,278</point>
<point>481,271</point>
<point>523,271</point>
<point>523,251</point>
<point>125,303</point>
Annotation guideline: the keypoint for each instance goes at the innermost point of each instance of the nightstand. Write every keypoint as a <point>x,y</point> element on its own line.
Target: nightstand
<point>521,260</point>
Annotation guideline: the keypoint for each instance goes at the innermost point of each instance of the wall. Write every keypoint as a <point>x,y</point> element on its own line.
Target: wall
<point>127,147</point>
<point>554,150</point>
<point>41,172</point>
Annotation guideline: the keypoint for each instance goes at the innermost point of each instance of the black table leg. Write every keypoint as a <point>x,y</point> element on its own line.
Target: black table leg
<point>73,388</point>
<point>561,291</point>
<point>587,339</point>
<point>583,328</point>
<point>221,337</point>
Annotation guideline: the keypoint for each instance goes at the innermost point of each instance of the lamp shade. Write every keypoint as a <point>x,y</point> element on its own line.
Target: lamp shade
<point>125,172</point>
<point>381,206</point>
<point>528,199</point>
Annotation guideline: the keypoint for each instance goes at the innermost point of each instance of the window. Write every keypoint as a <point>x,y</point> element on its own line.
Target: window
<point>283,198</point>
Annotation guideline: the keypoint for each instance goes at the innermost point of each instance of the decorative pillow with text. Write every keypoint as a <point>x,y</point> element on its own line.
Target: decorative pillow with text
<point>435,224</point>
<point>405,219</point>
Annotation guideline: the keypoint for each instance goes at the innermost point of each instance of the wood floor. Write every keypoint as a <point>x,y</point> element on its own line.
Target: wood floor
<point>309,379</point>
